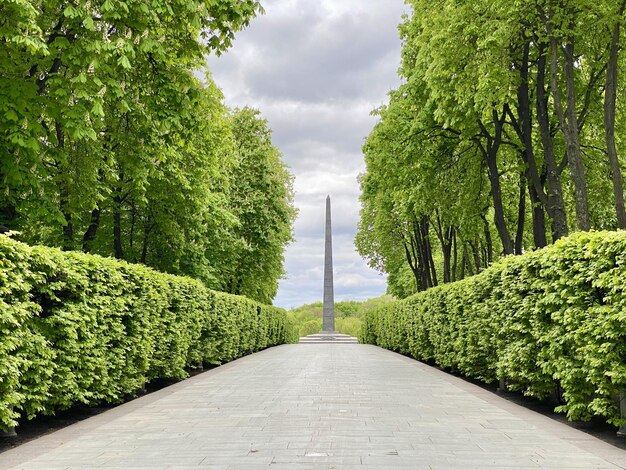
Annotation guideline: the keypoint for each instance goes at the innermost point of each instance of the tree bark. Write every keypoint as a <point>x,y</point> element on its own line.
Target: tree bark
<point>499,219</point>
<point>455,257</point>
<point>539,218</point>
<point>555,206</point>
<point>92,230</point>
<point>8,215</point>
<point>445,235</point>
<point>429,275</point>
<point>64,197</point>
<point>434,282</point>
<point>523,125</point>
<point>476,256</point>
<point>418,251</point>
<point>144,249</point>
<point>490,153</point>
<point>8,212</point>
<point>117,226</point>
<point>610,96</point>
<point>133,220</point>
<point>68,228</point>
<point>463,262</point>
<point>521,214</point>
<point>412,258</point>
<point>524,128</point>
<point>488,239</point>
<point>446,249</point>
<point>466,262</point>
<point>568,121</point>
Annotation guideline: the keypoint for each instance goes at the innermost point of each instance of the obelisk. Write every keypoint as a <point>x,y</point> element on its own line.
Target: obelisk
<point>328,323</point>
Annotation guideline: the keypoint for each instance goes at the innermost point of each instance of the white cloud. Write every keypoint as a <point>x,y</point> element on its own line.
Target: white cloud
<point>316,70</point>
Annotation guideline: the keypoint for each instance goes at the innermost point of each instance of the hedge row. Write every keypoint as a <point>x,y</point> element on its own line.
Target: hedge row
<point>78,328</point>
<point>550,323</point>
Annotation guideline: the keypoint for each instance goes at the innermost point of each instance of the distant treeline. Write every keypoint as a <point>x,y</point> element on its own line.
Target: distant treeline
<point>348,315</point>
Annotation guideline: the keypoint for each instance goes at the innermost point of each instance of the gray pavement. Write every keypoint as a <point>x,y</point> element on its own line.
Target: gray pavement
<point>326,406</point>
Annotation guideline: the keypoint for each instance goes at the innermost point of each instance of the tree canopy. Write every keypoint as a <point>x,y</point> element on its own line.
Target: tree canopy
<point>505,135</point>
<point>111,144</point>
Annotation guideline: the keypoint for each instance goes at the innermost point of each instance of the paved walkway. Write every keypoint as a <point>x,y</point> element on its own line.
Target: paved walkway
<point>321,406</point>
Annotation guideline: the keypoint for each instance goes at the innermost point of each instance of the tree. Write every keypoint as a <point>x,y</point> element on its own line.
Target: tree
<point>65,64</point>
<point>261,199</point>
<point>498,99</point>
<point>435,202</point>
<point>110,144</point>
<point>610,99</point>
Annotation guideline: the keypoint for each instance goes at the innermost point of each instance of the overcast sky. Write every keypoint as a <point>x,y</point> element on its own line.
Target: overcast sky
<point>316,69</point>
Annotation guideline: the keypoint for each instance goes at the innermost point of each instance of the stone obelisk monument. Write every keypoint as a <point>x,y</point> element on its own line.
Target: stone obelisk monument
<point>328,324</point>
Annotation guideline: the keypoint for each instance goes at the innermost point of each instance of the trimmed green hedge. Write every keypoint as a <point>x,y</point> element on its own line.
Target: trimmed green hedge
<point>546,321</point>
<point>77,328</point>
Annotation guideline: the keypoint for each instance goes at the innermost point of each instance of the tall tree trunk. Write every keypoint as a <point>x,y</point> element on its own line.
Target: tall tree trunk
<point>455,257</point>
<point>8,212</point>
<point>445,236</point>
<point>555,206</point>
<point>610,95</point>
<point>133,220</point>
<point>524,128</point>
<point>568,121</point>
<point>463,262</point>
<point>521,214</point>
<point>117,225</point>
<point>476,255</point>
<point>144,249</point>
<point>424,271</point>
<point>488,239</point>
<point>64,196</point>
<point>539,218</point>
<point>484,256</point>
<point>490,153</point>
<point>431,262</point>
<point>68,228</point>
<point>421,230</point>
<point>466,262</point>
<point>412,259</point>
<point>92,230</point>
<point>447,263</point>
<point>8,216</point>
<point>447,255</point>
<point>523,125</point>
<point>238,288</point>
<point>496,194</point>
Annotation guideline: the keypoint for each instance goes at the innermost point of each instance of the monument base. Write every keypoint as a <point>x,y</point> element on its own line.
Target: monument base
<point>328,337</point>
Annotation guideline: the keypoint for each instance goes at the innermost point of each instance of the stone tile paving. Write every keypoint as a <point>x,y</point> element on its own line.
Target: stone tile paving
<point>328,406</point>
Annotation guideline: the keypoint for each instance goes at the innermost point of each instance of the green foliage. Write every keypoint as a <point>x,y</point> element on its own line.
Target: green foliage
<point>307,318</point>
<point>553,319</point>
<point>78,328</point>
<point>348,315</point>
<point>348,326</point>
<point>261,200</point>
<point>497,142</point>
<point>310,327</point>
<point>110,144</point>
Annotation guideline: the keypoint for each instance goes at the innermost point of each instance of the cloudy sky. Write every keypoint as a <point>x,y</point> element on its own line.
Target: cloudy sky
<point>316,69</point>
